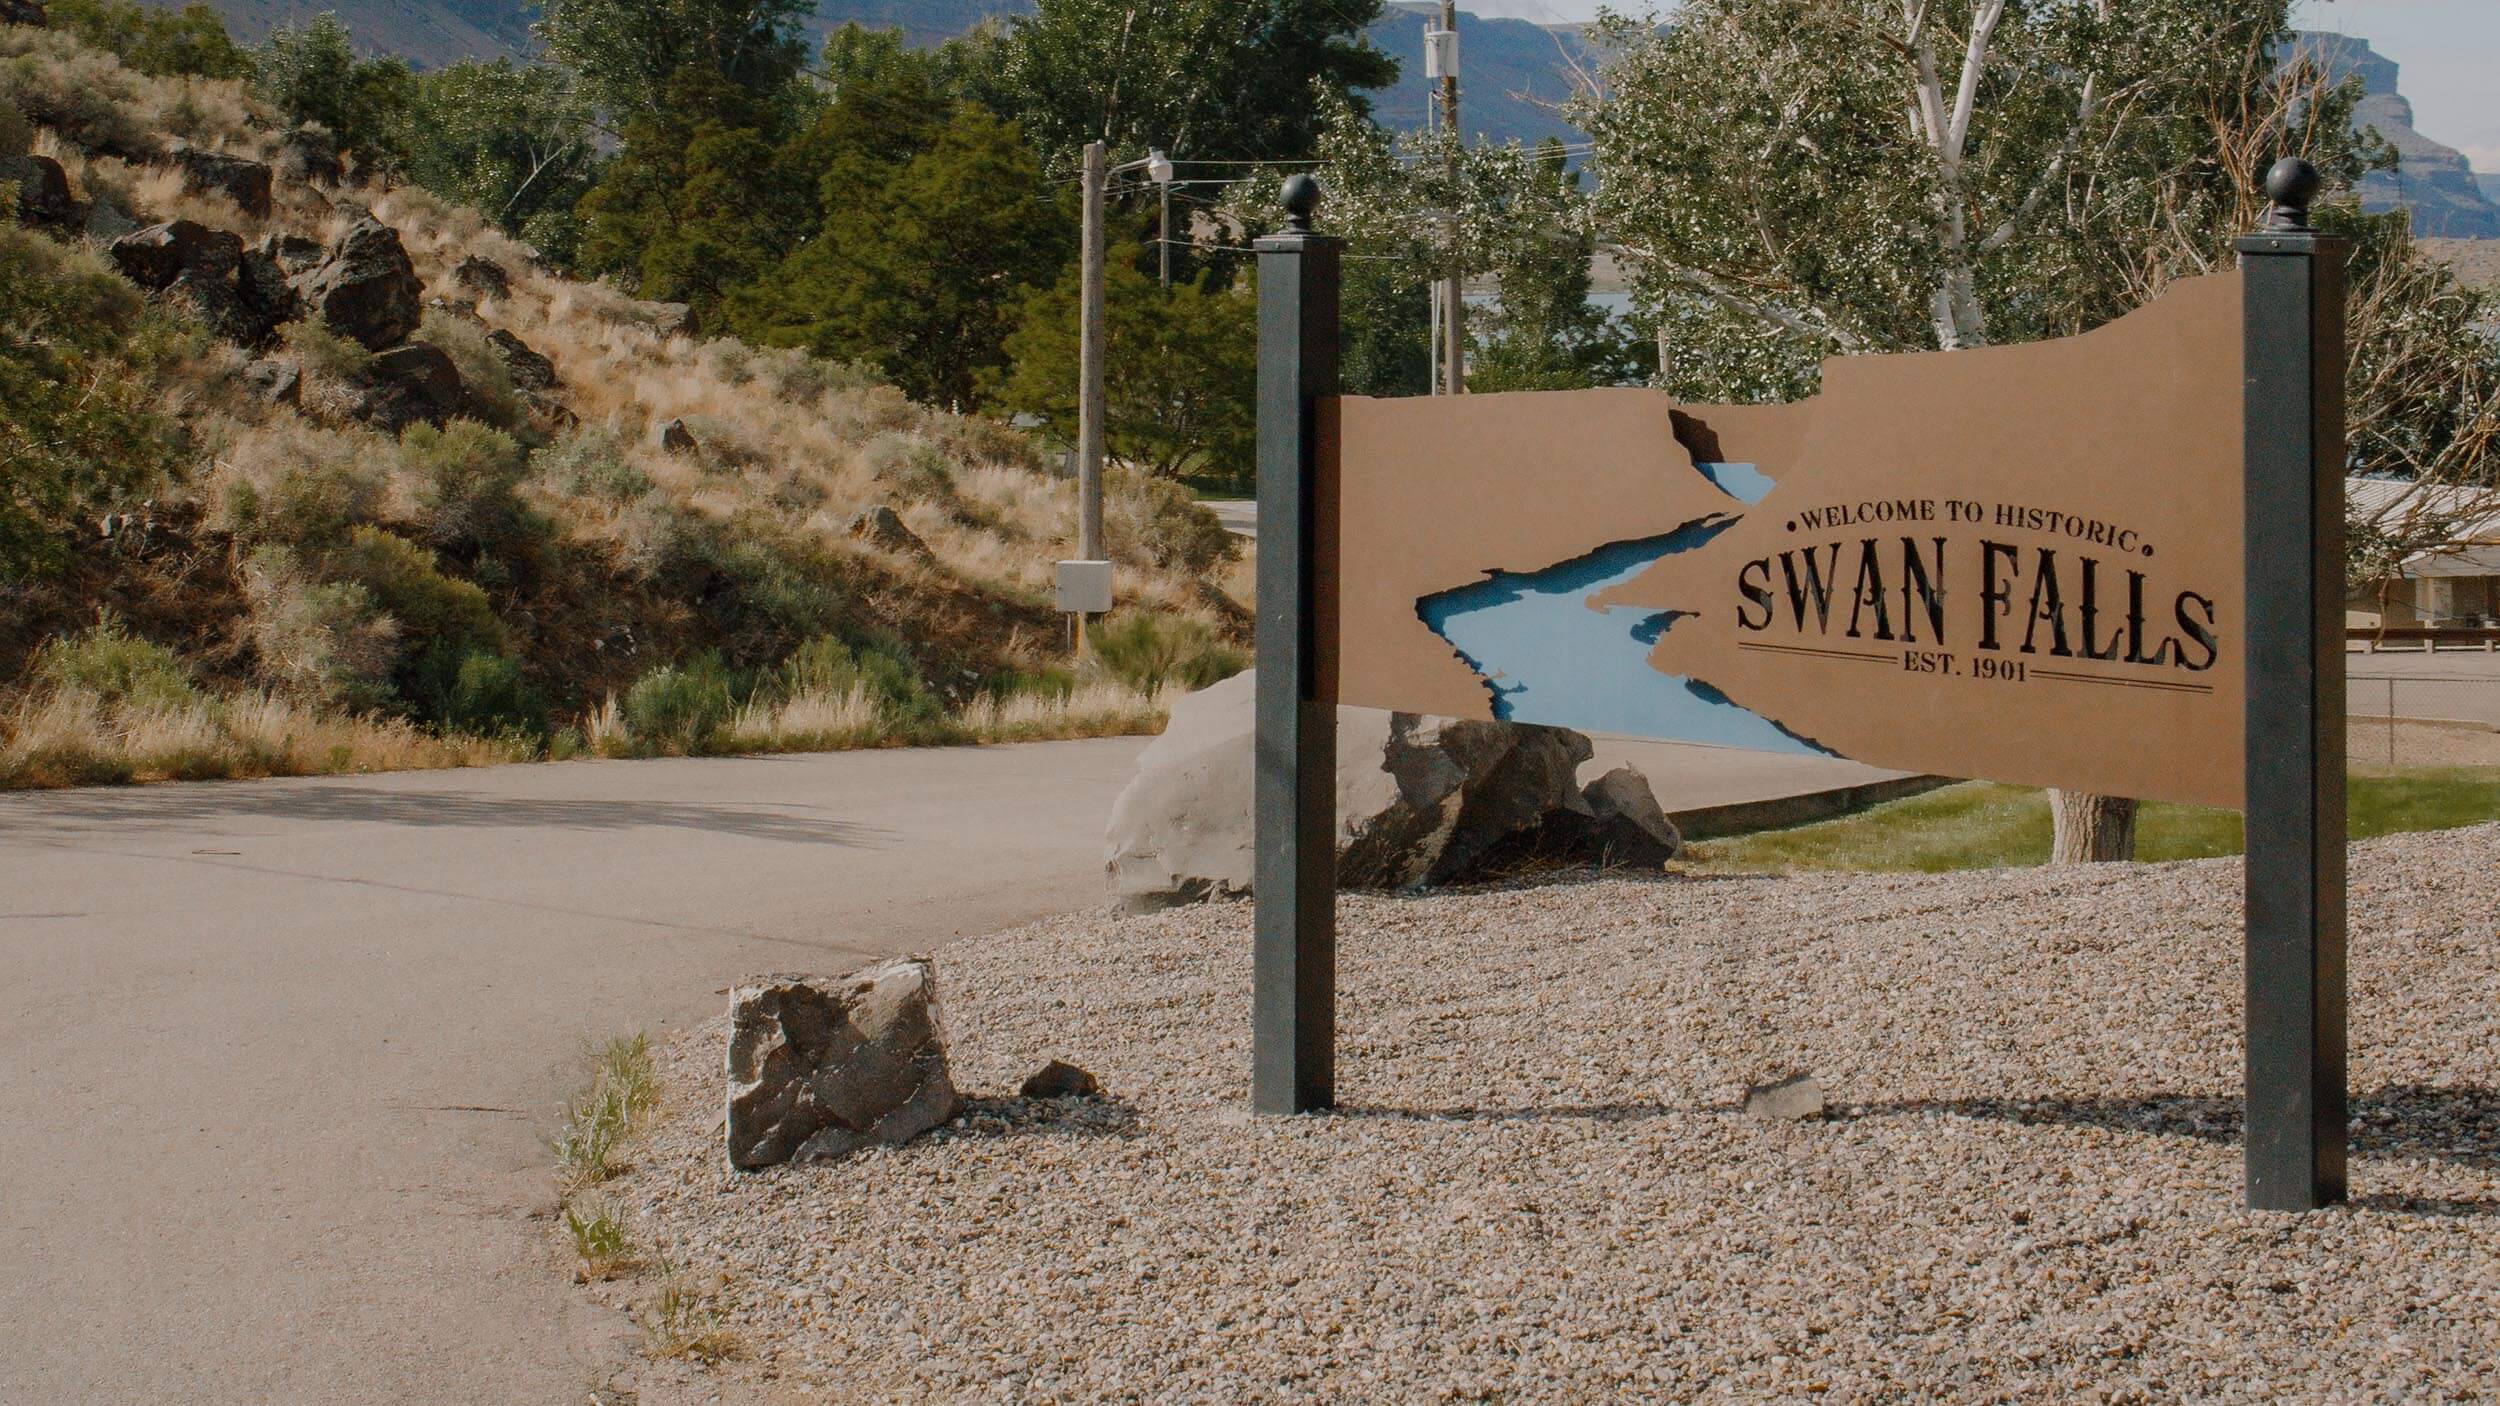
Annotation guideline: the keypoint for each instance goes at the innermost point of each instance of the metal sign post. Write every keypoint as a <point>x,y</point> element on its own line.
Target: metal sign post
<point>1294,969</point>
<point>2295,869</point>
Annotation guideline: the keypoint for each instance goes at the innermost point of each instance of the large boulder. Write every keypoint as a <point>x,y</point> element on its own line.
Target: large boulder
<point>415,384</point>
<point>1420,801</point>
<point>367,290</point>
<point>821,1070</point>
<point>43,194</point>
<point>309,155</point>
<point>483,277</point>
<point>239,293</point>
<point>23,12</point>
<point>239,179</point>
<point>530,369</point>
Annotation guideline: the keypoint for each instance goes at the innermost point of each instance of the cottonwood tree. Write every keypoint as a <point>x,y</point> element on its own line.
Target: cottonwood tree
<point>1210,80</point>
<point>1795,179</point>
<point>1415,208</point>
<point>624,54</point>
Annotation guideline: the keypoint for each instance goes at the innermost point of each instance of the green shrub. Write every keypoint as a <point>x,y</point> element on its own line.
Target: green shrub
<point>444,623</point>
<point>189,43</point>
<point>80,429</point>
<point>114,666</point>
<point>680,705</point>
<point>306,488</point>
<point>1154,521</point>
<point>468,479</point>
<point>487,695</point>
<point>883,670</point>
<point>591,463</point>
<point>325,642</point>
<point>916,467</point>
<point>1148,651</point>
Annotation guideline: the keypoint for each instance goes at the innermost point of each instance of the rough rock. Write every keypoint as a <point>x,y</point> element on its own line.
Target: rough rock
<point>239,295</point>
<point>1059,1079</point>
<point>1792,1100</point>
<point>23,12</point>
<point>414,384</point>
<point>107,221</point>
<point>484,277</point>
<point>1626,828</point>
<point>461,308</point>
<point>821,1070</point>
<point>367,290</point>
<point>884,527</point>
<point>530,370</point>
<point>309,154</point>
<point>667,319</point>
<point>277,382</point>
<point>43,194</point>
<point>677,439</point>
<point>239,179</point>
<point>1419,802</point>
<point>292,253</point>
<point>154,257</point>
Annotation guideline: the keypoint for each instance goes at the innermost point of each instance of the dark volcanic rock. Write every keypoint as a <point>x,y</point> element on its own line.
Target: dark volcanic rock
<point>43,194</point>
<point>309,154</point>
<point>530,371</point>
<point>484,277</point>
<point>292,253</point>
<point>1059,1079</point>
<point>278,382</point>
<point>23,12</point>
<point>367,290</point>
<point>154,257</point>
<point>414,384</point>
<point>677,439</point>
<point>820,1070</point>
<point>243,181</point>
<point>886,528</point>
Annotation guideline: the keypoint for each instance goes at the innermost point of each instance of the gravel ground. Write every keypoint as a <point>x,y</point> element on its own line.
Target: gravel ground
<point>1539,1188</point>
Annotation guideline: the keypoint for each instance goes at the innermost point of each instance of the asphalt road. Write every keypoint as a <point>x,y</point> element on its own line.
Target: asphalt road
<point>278,1061</point>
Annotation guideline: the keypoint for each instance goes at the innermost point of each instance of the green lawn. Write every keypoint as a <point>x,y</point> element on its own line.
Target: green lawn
<point>1979,825</point>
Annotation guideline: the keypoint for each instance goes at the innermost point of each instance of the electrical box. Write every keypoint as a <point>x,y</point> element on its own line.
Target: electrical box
<point>1084,587</point>
<point>1440,53</point>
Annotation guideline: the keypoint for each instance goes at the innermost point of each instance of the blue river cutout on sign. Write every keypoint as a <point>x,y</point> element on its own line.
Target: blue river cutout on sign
<point>1549,658</point>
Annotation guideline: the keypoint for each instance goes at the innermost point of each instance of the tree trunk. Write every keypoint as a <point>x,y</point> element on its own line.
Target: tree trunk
<point>2091,829</point>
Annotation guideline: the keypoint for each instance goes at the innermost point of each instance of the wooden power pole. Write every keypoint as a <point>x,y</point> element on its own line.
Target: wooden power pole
<point>1089,399</point>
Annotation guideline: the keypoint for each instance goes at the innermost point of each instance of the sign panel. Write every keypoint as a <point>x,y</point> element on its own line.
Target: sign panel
<point>2016,563</point>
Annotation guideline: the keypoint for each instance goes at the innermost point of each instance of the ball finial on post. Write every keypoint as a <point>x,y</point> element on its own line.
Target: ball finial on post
<point>2290,187</point>
<point>1301,200</point>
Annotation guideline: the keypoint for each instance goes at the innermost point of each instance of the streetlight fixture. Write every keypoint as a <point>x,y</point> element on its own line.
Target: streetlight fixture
<point>1089,400</point>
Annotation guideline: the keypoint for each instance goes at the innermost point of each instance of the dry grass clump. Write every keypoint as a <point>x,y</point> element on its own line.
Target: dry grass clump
<point>1107,709</point>
<point>70,739</point>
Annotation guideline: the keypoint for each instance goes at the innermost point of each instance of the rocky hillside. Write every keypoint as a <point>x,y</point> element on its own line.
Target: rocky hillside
<point>2447,199</point>
<point>367,456</point>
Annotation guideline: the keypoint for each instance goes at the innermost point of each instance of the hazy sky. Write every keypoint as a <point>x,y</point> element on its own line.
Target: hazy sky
<point>2449,51</point>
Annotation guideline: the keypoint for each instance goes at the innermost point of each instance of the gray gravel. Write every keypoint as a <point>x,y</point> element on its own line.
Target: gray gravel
<point>1542,1187</point>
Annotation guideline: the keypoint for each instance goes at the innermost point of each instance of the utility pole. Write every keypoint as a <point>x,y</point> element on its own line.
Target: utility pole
<point>1089,400</point>
<point>1166,240</point>
<point>1441,61</point>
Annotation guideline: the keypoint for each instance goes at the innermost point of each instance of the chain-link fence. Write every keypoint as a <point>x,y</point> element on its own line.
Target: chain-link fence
<point>2433,717</point>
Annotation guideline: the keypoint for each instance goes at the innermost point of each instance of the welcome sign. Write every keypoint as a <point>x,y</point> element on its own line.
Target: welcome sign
<point>2018,563</point>
<point>2111,562</point>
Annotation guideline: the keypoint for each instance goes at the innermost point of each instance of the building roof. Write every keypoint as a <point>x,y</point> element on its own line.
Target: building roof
<point>2473,515</point>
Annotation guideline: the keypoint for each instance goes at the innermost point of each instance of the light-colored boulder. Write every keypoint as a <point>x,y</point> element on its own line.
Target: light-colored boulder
<point>1420,801</point>
<point>819,1070</point>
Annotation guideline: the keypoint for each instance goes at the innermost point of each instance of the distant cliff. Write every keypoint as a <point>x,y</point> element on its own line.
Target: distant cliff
<point>2447,199</point>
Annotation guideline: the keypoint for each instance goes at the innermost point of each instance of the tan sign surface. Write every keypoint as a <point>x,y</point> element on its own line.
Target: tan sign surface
<point>2018,563</point>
